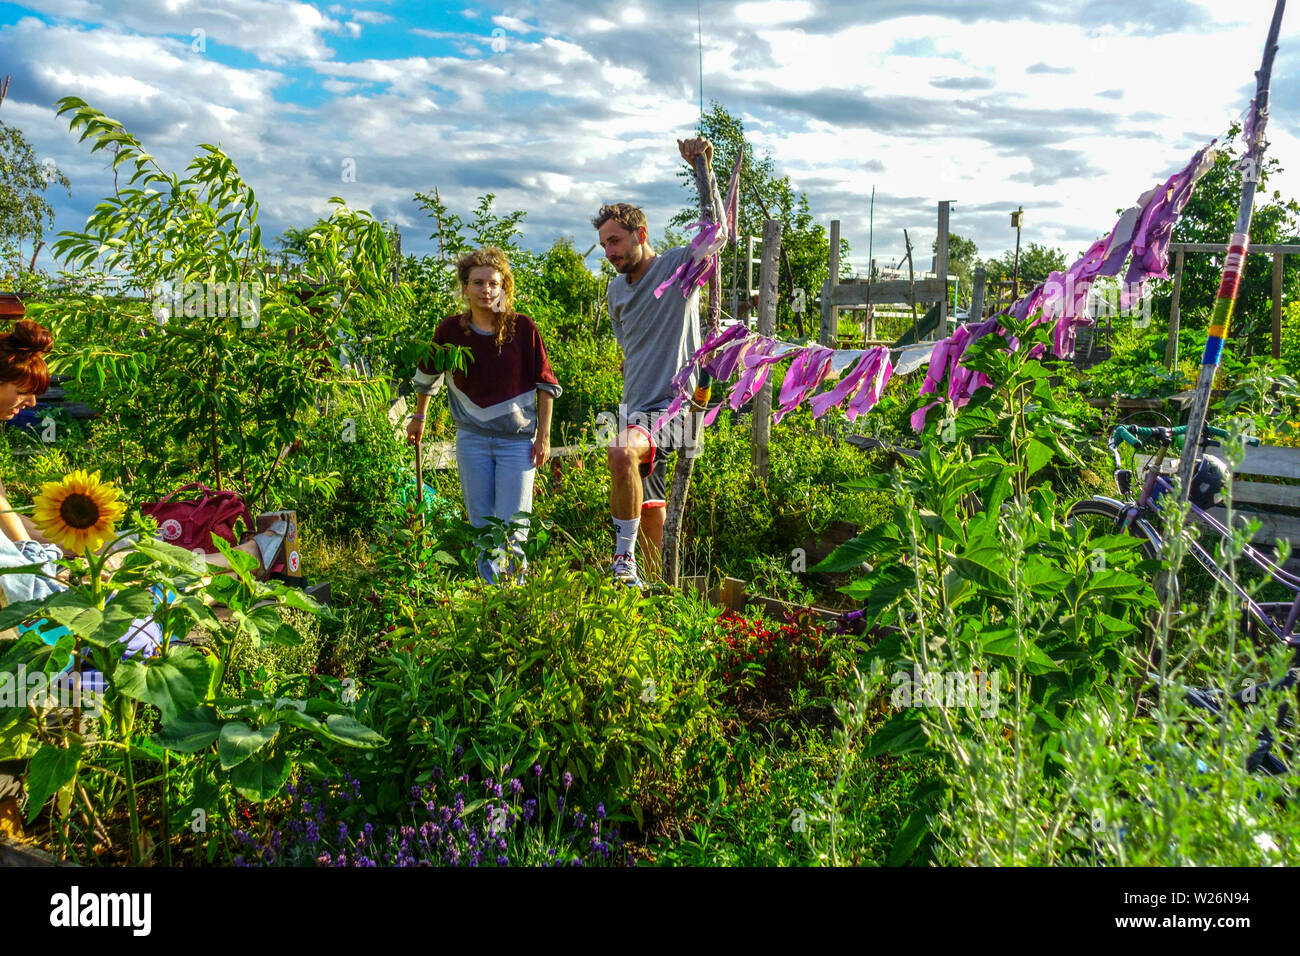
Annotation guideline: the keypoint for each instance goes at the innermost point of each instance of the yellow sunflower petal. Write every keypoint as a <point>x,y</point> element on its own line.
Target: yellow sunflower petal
<point>79,512</point>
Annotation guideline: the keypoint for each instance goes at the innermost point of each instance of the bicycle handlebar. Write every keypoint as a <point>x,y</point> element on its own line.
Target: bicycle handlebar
<point>1137,435</point>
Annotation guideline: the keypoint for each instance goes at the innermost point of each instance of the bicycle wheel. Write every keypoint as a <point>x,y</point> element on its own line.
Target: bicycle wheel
<point>1101,517</point>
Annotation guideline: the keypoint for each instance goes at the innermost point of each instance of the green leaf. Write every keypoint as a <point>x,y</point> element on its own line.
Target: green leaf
<point>295,718</point>
<point>19,612</point>
<point>49,770</point>
<point>1037,454</point>
<point>985,566</point>
<point>260,778</point>
<point>171,555</point>
<point>1002,642</point>
<point>72,609</point>
<point>345,729</point>
<point>853,552</point>
<point>903,733</point>
<point>909,837</point>
<point>189,732</point>
<point>174,684</point>
<point>238,742</point>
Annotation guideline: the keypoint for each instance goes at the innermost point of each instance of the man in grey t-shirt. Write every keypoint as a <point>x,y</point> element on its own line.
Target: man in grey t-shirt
<point>658,336</point>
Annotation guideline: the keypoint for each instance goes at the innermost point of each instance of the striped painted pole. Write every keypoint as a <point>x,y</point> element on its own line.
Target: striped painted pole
<point>1235,264</point>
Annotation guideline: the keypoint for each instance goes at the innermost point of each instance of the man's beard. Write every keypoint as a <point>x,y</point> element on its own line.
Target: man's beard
<point>628,264</point>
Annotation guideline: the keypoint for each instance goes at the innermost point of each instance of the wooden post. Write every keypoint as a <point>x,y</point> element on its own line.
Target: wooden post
<point>731,592</point>
<point>1277,305</point>
<point>1171,346</point>
<point>749,280</point>
<point>766,326</point>
<point>911,287</point>
<point>941,270</point>
<point>830,313</point>
<point>977,295</point>
<point>735,278</point>
<point>710,210</point>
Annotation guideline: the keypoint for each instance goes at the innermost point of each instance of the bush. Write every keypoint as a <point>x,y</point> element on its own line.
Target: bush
<point>565,670</point>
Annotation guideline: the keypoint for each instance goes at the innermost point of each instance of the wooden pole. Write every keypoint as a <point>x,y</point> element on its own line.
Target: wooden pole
<point>977,295</point>
<point>670,556</point>
<point>941,269</point>
<point>419,484</point>
<point>1277,305</point>
<point>1233,265</point>
<point>830,313</point>
<point>749,280</point>
<point>735,275</point>
<point>911,287</point>
<point>766,326</point>
<point>1175,317</point>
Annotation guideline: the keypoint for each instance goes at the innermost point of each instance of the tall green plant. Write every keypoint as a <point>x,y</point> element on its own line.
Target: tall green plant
<point>227,361</point>
<point>983,590</point>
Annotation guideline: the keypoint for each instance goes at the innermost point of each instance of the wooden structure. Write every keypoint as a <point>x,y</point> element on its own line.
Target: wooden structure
<point>867,293</point>
<point>1180,250</point>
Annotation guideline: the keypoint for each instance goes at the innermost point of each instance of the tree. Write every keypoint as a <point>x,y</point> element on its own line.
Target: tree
<point>227,364</point>
<point>568,285</point>
<point>1037,262</point>
<point>25,213</point>
<point>1210,216</point>
<point>805,247</point>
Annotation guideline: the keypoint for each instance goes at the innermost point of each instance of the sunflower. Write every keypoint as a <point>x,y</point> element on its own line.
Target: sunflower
<point>78,512</point>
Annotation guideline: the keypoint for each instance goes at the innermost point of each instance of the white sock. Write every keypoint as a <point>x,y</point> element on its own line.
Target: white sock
<point>626,531</point>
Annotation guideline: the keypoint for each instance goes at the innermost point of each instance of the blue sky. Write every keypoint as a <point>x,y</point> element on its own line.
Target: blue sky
<point>1069,109</point>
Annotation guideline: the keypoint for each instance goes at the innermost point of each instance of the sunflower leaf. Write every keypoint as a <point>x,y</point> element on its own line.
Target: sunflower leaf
<point>174,684</point>
<point>72,609</point>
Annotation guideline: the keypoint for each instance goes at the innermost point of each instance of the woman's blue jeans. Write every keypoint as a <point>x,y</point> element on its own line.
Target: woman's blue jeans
<point>496,479</point>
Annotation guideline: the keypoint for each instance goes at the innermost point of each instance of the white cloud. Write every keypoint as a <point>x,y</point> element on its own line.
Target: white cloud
<point>582,109</point>
<point>276,32</point>
<point>514,24</point>
<point>771,12</point>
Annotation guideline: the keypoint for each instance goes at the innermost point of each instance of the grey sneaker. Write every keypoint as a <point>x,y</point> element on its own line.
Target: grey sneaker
<point>624,571</point>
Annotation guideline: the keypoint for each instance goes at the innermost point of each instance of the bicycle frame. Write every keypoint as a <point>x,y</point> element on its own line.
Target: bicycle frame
<point>1155,487</point>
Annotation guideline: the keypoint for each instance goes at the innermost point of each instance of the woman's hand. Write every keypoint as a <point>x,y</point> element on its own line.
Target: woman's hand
<point>414,431</point>
<point>541,450</point>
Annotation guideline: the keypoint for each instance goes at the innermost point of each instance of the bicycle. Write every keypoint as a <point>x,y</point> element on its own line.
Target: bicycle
<point>1263,621</point>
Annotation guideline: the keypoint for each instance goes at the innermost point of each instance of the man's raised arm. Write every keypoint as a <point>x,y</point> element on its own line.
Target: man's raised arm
<point>705,182</point>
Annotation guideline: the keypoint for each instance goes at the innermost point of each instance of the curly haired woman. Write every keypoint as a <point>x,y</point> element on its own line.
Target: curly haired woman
<point>501,405</point>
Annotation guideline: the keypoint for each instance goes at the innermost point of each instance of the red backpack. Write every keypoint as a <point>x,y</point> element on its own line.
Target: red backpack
<point>190,524</point>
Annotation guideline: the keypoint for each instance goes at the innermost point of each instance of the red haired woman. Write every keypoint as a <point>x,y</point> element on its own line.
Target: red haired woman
<point>23,376</point>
